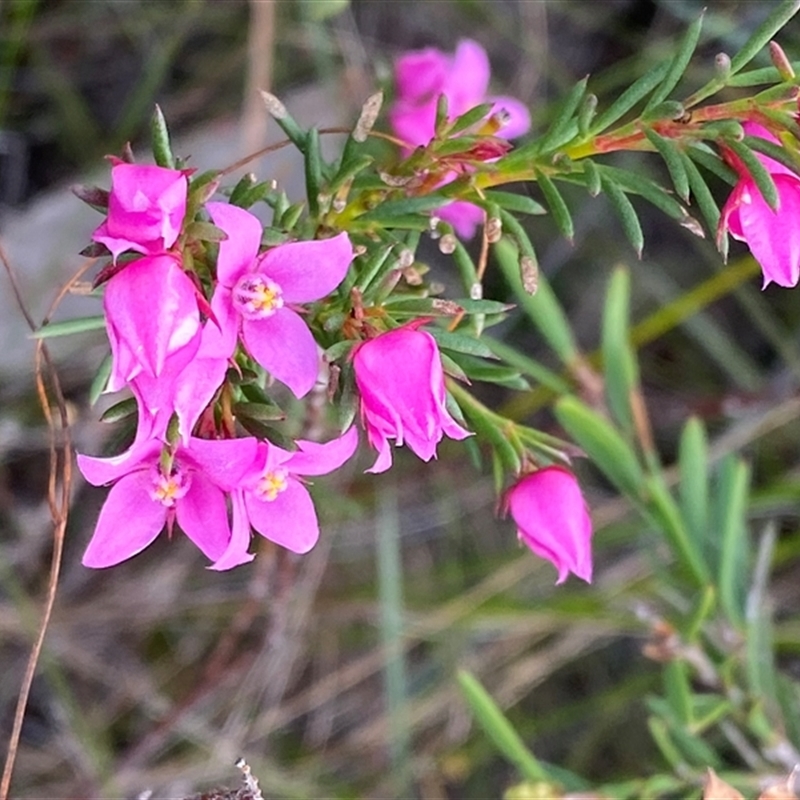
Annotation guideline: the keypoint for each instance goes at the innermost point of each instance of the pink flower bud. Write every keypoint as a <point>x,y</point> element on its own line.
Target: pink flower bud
<point>400,379</point>
<point>146,208</point>
<point>553,521</point>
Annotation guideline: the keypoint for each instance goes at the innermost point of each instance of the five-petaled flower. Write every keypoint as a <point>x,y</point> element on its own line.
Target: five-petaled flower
<point>552,520</point>
<point>254,294</point>
<point>773,236</point>
<point>421,76</point>
<point>150,491</point>
<point>401,384</point>
<point>273,499</point>
<point>146,208</point>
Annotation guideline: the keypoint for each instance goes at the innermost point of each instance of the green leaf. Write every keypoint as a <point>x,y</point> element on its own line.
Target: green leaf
<point>162,150</point>
<point>619,364</point>
<point>680,61</point>
<point>205,231</point>
<point>277,110</point>
<point>528,366</point>
<point>518,203</point>
<point>470,118</point>
<point>758,172</point>
<point>499,729</point>
<point>121,410</point>
<point>678,690</point>
<point>100,380</point>
<point>593,180</point>
<point>262,412</point>
<point>557,206</point>
<point>779,16</point>
<point>543,308</point>
<point>603,444</point>
<point>630,97</point>
<point>68,327</point>
<point>701,615</point>
<point>558,133</point>
<point>732,497</point>
<point>693,480</point>
<point>626,213</point>
<point>781,154</point>
<point>461,343</point>
<point>650,190</point>
<point>391,209</point>
<point>702,194</point>
<point>712,162</point>
<point>586,114</point>
<point>477,369</point>
<point>673,158</point>
<point>313,164</point>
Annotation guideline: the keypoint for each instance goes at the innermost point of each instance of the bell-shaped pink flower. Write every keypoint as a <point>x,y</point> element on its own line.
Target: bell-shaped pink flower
<point>254,294</point>
<point>144,498</point>
<point>772,236</point>
<point>553,521</point>
<point>420,77</point>
<point>146,208</point>
<point>401,383</point>
<point>151,315</point>
<point>272,497</point>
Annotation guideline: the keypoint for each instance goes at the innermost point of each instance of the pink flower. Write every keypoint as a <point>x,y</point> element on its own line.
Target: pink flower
<point>254,292</point>
<point>772,236</point>
<point>273,499</point>
<point>147,495</point>
<point>420,77</point>
<point>152,319</point>
<point>399,377</point>
<point>552,520</point>
<point>146,208</point>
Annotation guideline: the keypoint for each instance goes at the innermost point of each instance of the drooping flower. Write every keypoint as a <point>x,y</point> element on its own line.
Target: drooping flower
<point>552,520</point>
<point>147,495</point>
<point>146,208</point>
<point>401,383</point>
<point>254,294</point>
<point>152,319</point>
<point>421,76</point>
<point>773,236</point>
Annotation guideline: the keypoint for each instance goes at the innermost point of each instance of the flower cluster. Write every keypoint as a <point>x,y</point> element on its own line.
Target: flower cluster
<point>205,306</point>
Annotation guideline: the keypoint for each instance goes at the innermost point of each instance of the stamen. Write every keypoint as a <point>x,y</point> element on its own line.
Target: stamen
<point>272,484</point>
<point>256,296</point>
<point>168,489</point>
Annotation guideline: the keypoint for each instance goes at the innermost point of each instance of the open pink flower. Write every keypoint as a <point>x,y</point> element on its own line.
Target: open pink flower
<point>152,319</point>
<point>146,208</point>
<point>400,379</point>
<point>772,236</point>
<point>254,292</point>
<point>552,520</point>
<point>144,498</point>
<point>273,499</point>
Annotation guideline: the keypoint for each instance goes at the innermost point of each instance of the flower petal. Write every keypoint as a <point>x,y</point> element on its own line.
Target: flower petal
<point>468,78</point>
<point>519,118</point>
<point>237,254</point>
<point>464,217</point>
<point>420,75</point>
<point>224,461</point>
<point>289,520</point>
<point>203,516</point>
<point>129,521</point>
<point>284,346</point>
<point>236,552</point>
<point>313,458</point>
<point>100,471</point>
<point>307,271</point>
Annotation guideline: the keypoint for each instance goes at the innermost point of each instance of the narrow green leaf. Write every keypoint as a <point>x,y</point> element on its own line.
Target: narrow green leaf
<point>442,111</point>
<point>783,155</point>
<point>528,366</point>
<point>603,444</point>
<point>461,343</point>
<point>499,729</point>
<point>678,690</point>
<point>758,77</point>
<point>666,512</point>
<point>348,170</point>
<point>758,172</point>
<point>593,180</point>
<point>408,205</point>
<point>100,380</point>
<point>121,410</point>
<point>779,16</point>
<point>290,217</point>
<point>586,114</point>
<point>562,117</point>
<point>619,364</point>
<point>693,483</point>
<point>702,194</point>
<point>470,118</point>
<point>68,327</point>
<point>519,203</point>
<point>278,111</point>
<point>672,156</point>
<point>709,160</point>
<point>704,607</point>
<point>478,369</point>
<point>630,97</point>
<point>543,308</point>
<point>626,213</point>
<point>680,61</point>
<point>732,497</point>
<point>263,412</point>
<point>162,150</point>
<point>650,190</point>
<point>661,736</point>
<point>557,206</point>
<point>313,164</point>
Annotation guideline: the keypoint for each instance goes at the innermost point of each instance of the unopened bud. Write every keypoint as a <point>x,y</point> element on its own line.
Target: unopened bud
<point>275,108</point>
<point>529,272</point>
<point>781,62</point>
<point>494,229</point>
<point>433,227</point>
<point>369,113</point>
<point>447,244</point>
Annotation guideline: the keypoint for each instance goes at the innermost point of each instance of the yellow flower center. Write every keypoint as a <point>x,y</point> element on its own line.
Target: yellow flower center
<point>272,483</point>
<point>256,296</point>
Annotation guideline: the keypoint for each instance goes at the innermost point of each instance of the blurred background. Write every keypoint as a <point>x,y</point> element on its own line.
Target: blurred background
<point>333,674</point>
